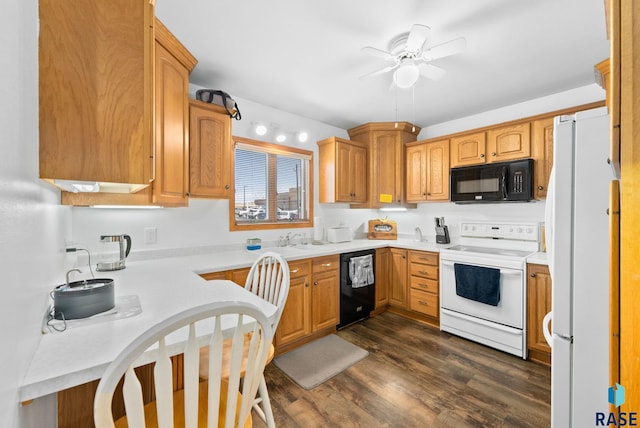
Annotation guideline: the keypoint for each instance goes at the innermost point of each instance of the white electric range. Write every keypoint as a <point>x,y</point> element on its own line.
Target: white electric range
<point>483,283</point>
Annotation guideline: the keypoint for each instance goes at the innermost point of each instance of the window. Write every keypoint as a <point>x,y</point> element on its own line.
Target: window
<point>272,186</point>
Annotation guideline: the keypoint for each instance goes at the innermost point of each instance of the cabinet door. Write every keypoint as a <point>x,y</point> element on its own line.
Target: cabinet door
<point>210,153</point>
<point>538,305</point>
<point>358,174</point>
<point>542,153</point>
<point>509,142</point>
<point>389,166</point>
<point>398,278</point>
<point>382,276</point>
<point>325,300</point>
<point>468,149</point>
<point>437,155</point>
<point>172,130</point>
<point>344,172</point>
<point>416,169</point>
<point>295,322</point>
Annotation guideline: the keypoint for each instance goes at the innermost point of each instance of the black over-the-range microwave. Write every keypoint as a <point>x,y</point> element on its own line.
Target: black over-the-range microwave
<point>495,182</point>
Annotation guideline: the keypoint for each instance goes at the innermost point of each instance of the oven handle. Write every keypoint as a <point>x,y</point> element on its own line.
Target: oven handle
<point>503,271</point>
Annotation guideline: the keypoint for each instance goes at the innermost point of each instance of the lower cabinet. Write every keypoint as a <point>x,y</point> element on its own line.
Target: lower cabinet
<point>295,323</point>
<point>382,279</point>
<point>398,278</point>
<point>538,305</point>
<point>423,283</point>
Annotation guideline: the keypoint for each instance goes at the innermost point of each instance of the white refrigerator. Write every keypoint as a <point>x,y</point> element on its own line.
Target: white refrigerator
<point>577,238</point>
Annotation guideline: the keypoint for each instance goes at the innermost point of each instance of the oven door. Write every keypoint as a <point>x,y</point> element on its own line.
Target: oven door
<point>509,310</point>
<point>479,183</point>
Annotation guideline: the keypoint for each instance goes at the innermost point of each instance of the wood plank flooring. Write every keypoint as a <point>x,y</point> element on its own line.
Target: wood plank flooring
<point>416,376</point>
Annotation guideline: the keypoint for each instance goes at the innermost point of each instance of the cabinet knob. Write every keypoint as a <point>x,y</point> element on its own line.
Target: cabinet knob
<point>187,194</point>
<point>533,275</point>
<point>540,187</point>
<point>295,270</point>
<point>428,193</point>
<point>315,283</point>
<point>306,284</point>
<point>424,193</point>
<point>481,155</point>
<point>493,153</point>
<point>226,187</point>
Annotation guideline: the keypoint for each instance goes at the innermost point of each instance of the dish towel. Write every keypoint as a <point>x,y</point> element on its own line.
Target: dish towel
<point>361,271</point>
<point>478,283</point>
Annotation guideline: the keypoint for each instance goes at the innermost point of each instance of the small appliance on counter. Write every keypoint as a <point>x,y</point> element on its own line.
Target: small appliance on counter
<point>339,234</point>
<point>82,299</point>
<point>382,228</point>
<point>442,231</point>
<point>113,258</point>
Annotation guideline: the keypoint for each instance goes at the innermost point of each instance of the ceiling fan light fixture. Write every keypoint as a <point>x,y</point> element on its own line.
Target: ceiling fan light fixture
<point>406,75</point>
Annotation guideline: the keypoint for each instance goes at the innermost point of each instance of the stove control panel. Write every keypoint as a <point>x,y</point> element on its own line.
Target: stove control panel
<point>503,230</point>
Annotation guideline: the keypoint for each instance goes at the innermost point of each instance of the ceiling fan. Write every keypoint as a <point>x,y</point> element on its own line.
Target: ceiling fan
<point>410,57</point>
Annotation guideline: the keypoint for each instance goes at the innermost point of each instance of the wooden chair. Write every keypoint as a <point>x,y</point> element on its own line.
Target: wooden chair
<point>218,402</point>
<point>268,278</point>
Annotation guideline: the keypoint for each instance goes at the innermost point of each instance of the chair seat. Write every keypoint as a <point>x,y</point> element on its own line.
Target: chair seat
<point>150,412</point>
<point>204,358</point>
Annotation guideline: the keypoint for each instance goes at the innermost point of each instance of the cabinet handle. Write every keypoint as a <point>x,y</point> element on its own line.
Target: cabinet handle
<point>306,284</point>
<point>315,283</point>
<point>404,257</point>
<point>493,153</point>
<point>422,272</point>
<point>295,270</point>
<point>481,155</point>
<point>226,187</point>
<point>187,194</point>
<point>540,187</point>
<point>424,194</point>
<point>422,303</point>
<point>326,264</point>
<point>533,275</point>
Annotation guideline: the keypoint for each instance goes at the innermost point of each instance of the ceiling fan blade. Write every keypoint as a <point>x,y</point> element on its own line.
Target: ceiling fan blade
<point>417,36</point>
<point>431,71</point>
<point>377,72</point>
<point>379,53</point>
<point>445,49</point>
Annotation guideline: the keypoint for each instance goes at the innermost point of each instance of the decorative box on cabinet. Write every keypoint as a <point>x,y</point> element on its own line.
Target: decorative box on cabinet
<point>386,142</point>
<point>343,171</point>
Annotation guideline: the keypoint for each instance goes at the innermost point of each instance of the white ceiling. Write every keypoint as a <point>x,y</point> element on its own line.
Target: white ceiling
<point>303,56</point>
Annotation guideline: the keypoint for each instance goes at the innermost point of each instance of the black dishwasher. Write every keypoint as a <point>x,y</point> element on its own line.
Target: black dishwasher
<point>357,286</point>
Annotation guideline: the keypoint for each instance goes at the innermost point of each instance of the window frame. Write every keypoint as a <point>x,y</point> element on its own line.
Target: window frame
<point>276,149</point>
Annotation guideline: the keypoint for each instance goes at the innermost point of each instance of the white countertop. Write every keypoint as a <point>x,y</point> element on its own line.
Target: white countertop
<point>538,258</point>
<point>165,286</point>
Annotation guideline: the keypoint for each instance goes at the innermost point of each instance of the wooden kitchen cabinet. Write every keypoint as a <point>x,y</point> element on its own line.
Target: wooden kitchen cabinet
<point>542,154</point>
<point>295,322</point>
<point>424,284</point>
<point>343,171</point>
<point>468,149</point>
<point>538,305</point>
<point>325,292</point>
<point>96,91</point>
<point>427,171</point>
<point>509,142</point>
<point>210,151</point>
<point>383,266</point>
<point>386,142</point>
<point>173,64</point>
<point>398,278</point>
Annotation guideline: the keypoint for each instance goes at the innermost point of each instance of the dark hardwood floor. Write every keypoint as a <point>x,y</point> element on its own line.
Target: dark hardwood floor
<point>416,376</point>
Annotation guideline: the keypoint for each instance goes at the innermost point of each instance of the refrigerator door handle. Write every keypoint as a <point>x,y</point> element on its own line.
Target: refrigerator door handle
<point>546,331</point>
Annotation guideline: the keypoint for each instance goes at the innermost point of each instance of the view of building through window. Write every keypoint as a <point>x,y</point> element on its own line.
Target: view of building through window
<point>271,186</point>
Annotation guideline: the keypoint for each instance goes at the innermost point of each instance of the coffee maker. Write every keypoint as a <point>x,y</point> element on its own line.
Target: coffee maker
<point>113,258</point>
<point>442,231</point>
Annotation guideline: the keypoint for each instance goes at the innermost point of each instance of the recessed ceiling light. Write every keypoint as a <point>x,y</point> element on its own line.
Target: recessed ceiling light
<point>281,138</point>
<point>261,129</point>
<point>303,137</point>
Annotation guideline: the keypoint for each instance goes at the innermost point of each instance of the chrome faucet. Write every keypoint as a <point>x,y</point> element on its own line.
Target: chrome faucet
<point>285,241</point>
<point>69,272</point>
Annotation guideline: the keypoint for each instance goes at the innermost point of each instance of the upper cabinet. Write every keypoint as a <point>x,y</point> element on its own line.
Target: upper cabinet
<point>468,149</point>
<point>343,171</point>
<point>542,154</point>
<point>386,142</point>
<point>509,142</point>
<point>96,91</point>
<point>210,151</point>
<point>173,64</point>
<point>427,171</point>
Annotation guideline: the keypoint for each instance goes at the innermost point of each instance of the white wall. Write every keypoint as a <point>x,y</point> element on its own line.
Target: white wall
<point>33,225</point>
<point>206,222</point>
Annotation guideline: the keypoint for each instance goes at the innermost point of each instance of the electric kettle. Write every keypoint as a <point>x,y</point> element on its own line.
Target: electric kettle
<point>113,259</point>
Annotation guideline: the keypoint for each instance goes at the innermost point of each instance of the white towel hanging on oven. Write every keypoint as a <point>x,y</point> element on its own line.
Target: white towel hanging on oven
<point>361,271</point>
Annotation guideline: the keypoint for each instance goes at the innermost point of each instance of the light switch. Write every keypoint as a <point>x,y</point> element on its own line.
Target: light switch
<point>150,235</point>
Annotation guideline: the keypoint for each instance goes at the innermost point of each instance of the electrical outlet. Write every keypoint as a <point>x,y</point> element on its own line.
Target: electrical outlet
<point>150,235</point>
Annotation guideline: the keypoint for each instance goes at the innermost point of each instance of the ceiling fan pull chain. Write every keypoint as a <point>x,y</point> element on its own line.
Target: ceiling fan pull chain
<point>413,118</point>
